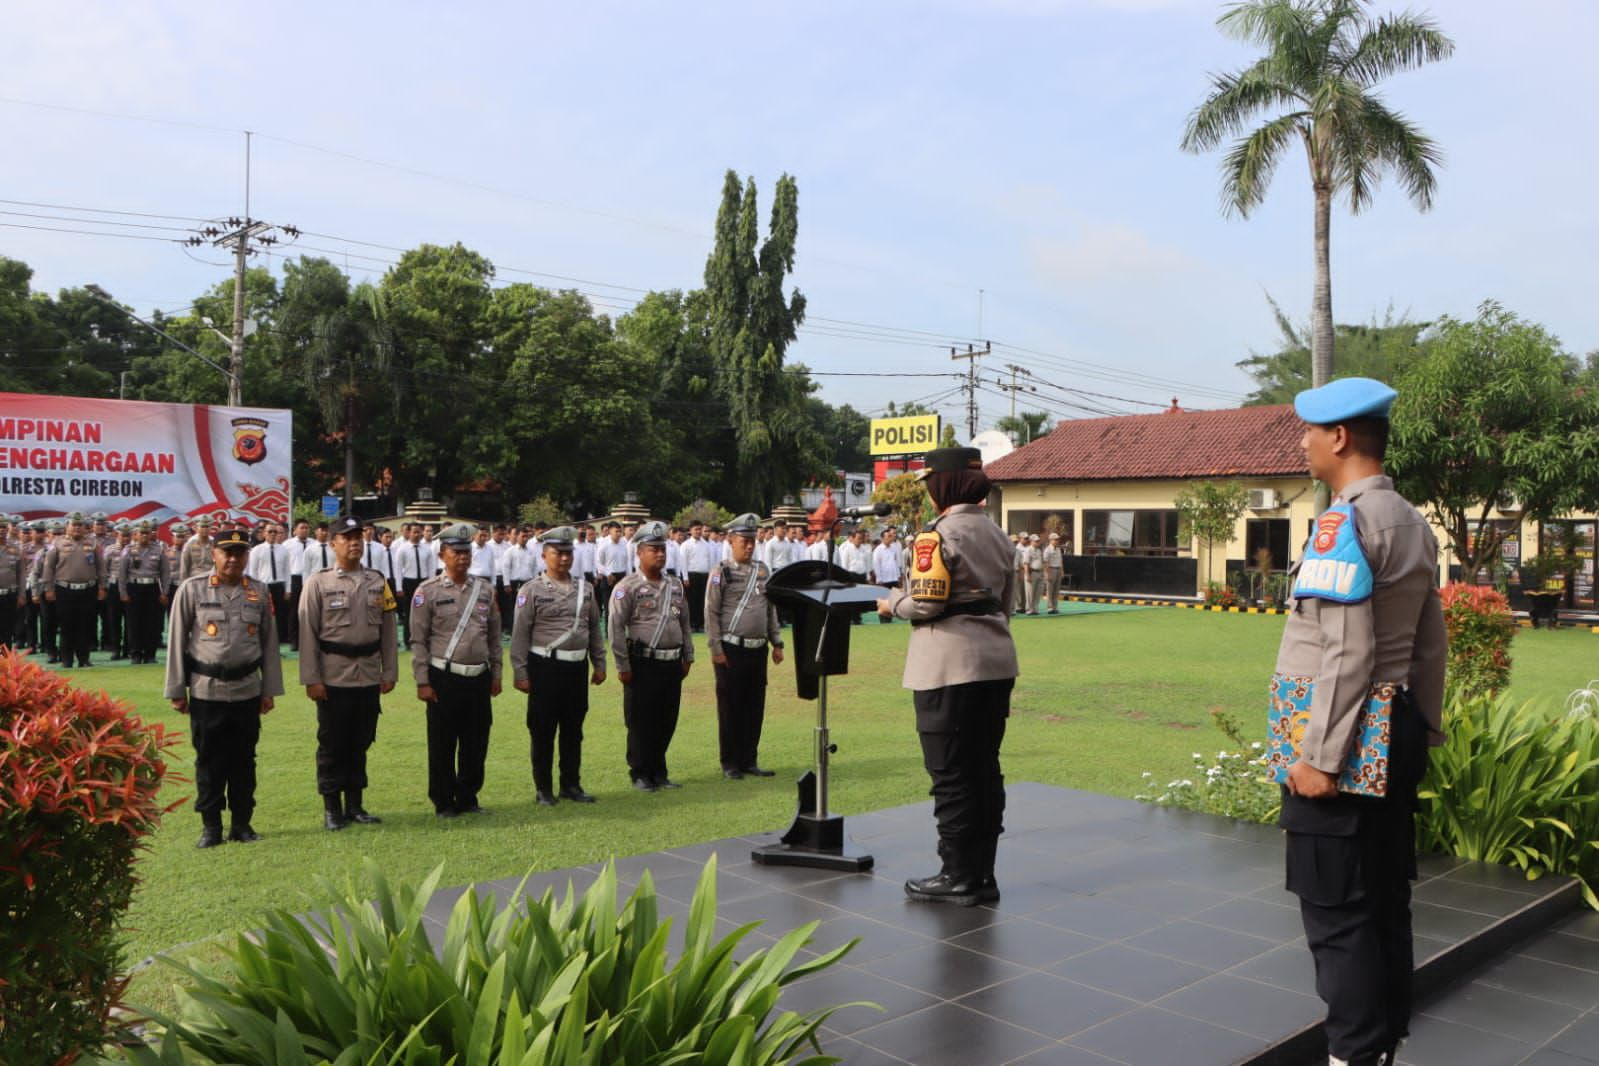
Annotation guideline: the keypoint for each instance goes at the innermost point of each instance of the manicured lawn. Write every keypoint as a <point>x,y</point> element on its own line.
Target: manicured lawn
<point>1102,697</point>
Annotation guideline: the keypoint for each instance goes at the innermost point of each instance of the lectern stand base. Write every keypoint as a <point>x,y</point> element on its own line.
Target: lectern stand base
<point>813,841</point>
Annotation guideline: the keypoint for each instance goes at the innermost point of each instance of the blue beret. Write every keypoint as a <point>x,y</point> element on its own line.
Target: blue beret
<point>1346,398</point>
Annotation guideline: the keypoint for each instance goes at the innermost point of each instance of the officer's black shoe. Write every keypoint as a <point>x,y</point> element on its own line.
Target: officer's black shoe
<point>945,888</point>
<point>333,820</point>
<point>733,775</point>
<point>666,782</point>
<point>756,771</point>
<point>988,889</point>
<point>546,800</point>
<point>210,837</point>
<point>243,834</point>
<point>576,794</point>
<point>355,812</point>
<point>644,784</point>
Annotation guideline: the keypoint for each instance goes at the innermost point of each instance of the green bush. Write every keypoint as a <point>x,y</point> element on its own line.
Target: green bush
<point>547,983</point>
<point>1480,629</point>
<point>1233,784</point>
<point>79,779</point>
<point>1517,785</point>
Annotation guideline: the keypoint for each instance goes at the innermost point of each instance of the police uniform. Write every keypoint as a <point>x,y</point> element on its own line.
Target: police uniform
<point>13,584</point>
<point>554,637</point>
<point>145,581</point>
<point>961,667</point>
<point>455,652</point>
<point>32,551</point>
<point>347,645</point>
<point>222,670</point>
<point>74,575</point>
<point>1350,858</point>
<point>112,628</point>
<point>740,622</point>
<point>173,550</point>
<point>195,556</point>
<point>651,640</point>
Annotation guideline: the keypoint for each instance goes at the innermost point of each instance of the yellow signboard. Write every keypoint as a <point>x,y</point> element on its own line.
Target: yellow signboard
<point>905,436</point>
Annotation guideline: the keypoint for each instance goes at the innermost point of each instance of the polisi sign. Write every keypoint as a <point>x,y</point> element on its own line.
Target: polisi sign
<point>905,436</point>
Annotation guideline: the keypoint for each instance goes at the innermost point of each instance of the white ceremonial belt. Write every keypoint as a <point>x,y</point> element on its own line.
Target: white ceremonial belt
<point>459,668</point>
<point>665,655</point>
<point>570,655</point>
<point>143,580</point>
<point>75,586</point>
<point>745,642</point>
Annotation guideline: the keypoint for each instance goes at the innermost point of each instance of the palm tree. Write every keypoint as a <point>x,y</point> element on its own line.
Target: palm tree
<point>1322,59</point>
<point>1025,427</point>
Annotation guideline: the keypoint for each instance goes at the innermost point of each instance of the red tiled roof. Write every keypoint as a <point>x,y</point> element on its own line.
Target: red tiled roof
<point>1241,442</point>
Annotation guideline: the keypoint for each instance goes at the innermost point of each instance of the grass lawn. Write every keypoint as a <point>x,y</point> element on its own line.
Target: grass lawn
<point>1103,697</point>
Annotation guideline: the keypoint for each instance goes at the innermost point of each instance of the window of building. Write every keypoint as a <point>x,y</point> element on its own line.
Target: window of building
<point>1270,534</point>
<point>1043,523</point>
<point>1152,532</point>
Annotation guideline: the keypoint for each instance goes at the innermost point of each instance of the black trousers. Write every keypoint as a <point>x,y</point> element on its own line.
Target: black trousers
<point>49,629</point>
<point>1350,860</point>
<point>28,625</point>
<point>556,706</point>
<point>112,634</point>
<point>408,587</point>
<point>76,610</point>
<point>346,726</point>
<point>505,599</point>
<point>961,729</point>
<point>291,619</point>
<point>279,594</point>
<point>10,620</point>
<point>650,705</point>
<point>740,705</point>
<point>225,735</point>
<point>697,580</point>
<point>143,610</point>
<point>458,738</point>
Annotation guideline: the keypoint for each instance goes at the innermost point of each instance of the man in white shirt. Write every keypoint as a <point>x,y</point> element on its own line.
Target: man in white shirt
<point>268,564</point>
<point>699,555</point>
<point>886,565</point>
<point>780,550</point>
<point>583,555</point>
<point>818,549</point>
<point>379,556</point>
<point>414,562</point>
<point>289,625</point>
<point>610,559</point>
<point>318,554</point>
<point>485,563</point>
<point>674,554</point>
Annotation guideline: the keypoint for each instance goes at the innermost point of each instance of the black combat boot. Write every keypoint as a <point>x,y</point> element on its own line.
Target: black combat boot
<point>333,812</point>
<point>357,813</point>
<point>210,835</point>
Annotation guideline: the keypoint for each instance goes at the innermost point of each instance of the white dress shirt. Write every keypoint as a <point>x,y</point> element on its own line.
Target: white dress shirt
<point>674,558</point>
<point>885,563</point>
<point>380,557</point>
<point>318,556</point>
<point>856,558</point>
<point>485,561</point>
<point>610,558</point>
<point>413,560</point>
<point>583,559</point>
<point>269,564</point>
<point>296,549</point>
<point>818,550</point>
<point>698,555</point>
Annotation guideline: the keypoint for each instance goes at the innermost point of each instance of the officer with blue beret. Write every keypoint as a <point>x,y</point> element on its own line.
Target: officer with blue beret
<point>1364,639</point>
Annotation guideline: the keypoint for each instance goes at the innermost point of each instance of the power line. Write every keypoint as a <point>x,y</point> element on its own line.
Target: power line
<point>90,232</point>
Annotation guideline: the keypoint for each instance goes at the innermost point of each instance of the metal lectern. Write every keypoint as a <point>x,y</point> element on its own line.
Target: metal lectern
<point>824,600</point>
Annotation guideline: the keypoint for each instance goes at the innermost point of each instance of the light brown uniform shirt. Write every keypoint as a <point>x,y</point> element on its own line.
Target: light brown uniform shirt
<point>217,624</point>
<point>436,611</point>
<point>638,607</point>
<point>351,607</point>
<point>73,562</point>
<point>563,617</point>
<point>195,558</point>
<point>963,647</point>
<point>13,571</point>
<point>1397,635</point>
<point>724,591</point>
<point>140,565</point>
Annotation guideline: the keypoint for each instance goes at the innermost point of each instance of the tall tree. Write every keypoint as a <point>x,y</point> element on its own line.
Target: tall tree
<point>751,325</point>
<point>1382,349</point>
<point>1024,428</point>
<point>1314,86</point>
<point>1494,418</point>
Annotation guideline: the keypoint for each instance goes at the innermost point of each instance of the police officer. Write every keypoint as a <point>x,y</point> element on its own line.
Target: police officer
<point>49,629</point>
<point>1053,560</point>
<point>455,659</point>
<point>961,667</point>
<point>556,629</point>
<point>739,624</point>
<point>32,550</point>
<point>1350,858</point>
<point>223,671</point>
<point>144,580</point>
<point>111,544</point>
<point>13,583</point>
<point>654,649</point>
<point>195,554</point>
<point>172,548</point>
<point>74,580</point>
<point>348,659</point>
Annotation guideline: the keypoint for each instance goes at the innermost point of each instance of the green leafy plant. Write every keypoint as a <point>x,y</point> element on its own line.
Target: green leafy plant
<point>1233,784</point>
<point>79,779</point>
<point>542,509</point>
<point>707,511</point>
<point>1481,628</point>
<point>1518,785</point>
<point>579,982</point>
<point>1220,595</point>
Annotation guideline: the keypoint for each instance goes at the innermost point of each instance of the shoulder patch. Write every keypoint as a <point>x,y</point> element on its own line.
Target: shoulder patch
<point>417,600</point>
<point>621,593</point>
<point>388,598</point>
<point>716,578</point>
<point>521,599</point>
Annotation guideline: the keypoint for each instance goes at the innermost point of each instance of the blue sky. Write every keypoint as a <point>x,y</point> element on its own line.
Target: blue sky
<point>1025,148</point>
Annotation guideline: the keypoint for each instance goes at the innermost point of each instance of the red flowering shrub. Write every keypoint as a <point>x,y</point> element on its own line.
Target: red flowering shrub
<point>79,779</point>
<point>1480,630</point>
<point>1220,595</point>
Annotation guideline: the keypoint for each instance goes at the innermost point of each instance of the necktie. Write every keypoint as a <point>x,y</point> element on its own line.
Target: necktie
<point>272,553</point>
<point>388,553</point>
<point>416,549</point>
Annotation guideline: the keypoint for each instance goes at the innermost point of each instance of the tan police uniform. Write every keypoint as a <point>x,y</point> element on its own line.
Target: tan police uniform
<point>145,581</point>
<point>455,651</point>
<point>557,648</point>
<point>13,589</point>
<point>651,640</point>
<point>348,644</point>
<point>74,573</point>
<point>223,658</point>
<point>740,624</point>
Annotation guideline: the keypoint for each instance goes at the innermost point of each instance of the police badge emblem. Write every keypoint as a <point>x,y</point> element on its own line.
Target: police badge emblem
<point>249,439</point>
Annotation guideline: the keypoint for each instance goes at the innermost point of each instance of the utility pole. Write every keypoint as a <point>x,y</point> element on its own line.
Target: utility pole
<point>971,355</point>
<point>1013,388</point>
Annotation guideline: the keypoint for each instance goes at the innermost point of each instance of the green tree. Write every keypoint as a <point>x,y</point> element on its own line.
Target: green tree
<point>1025,427</point>
<point>1494,417</point>
<point>1314,87</point>
<point>707,511</point>
<point>542,509</point>
<point>845,434</point>
<point>1382,349</point>
<point>1210,510</point>
<point>752,323</point>
<point>908,496</point>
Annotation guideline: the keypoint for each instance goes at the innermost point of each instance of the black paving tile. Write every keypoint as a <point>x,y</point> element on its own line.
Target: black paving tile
<point>1504,1013</point>
<point>1063,1055</point>
<point>843,984</point>
<point>1150,1036</point>
<point>854,1053</point>
<point>1129,972</point>
<point>1046,1004</point>
<point>1168,898</point>
<point>1465,896</point>
<point>1446,923</point>
<point>944,971</point>
<point>1565,949</point>
<point>1550,1057</point>
<point>951,1035</point>
<point>1202,945</point>
<point>1026,942</point>
<point>1098,916</point>
<point>1257,917</point>
<point>1543,980</point>
<point>1247,1006</point>
<point>1435,1042</point>
<point>1506,877</point>
<point>1580,1040</point>
<point>1584,923</point>
<point>1287,967</point>
<point>939,921</point>
<point>877,939</point>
